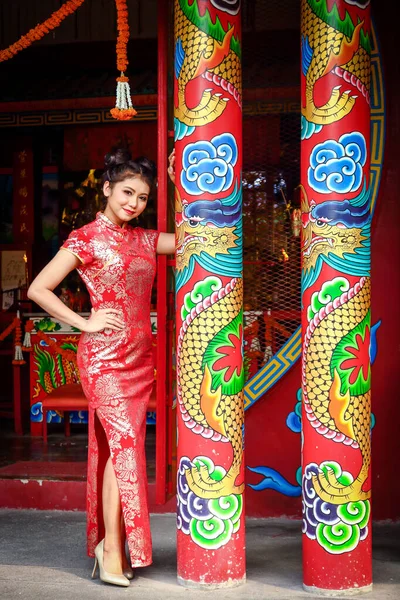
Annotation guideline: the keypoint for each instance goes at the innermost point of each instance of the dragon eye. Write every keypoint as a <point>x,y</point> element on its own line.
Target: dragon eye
<point>320,223</point>
<point>193,223</point>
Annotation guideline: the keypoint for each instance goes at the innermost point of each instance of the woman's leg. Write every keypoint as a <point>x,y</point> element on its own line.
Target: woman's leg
<point>114,497</point>
<point>125,562</point>
<point>112,516</point>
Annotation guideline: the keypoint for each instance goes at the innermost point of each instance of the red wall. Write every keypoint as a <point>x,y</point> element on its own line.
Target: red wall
<point>268,440</point>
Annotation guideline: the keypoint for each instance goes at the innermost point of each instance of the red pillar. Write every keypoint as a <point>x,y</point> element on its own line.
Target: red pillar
<point>337,336</point>
<point>162,209</point>
<point>208,143</point>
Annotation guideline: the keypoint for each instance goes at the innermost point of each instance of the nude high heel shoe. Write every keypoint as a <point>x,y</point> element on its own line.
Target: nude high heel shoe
<point>128,572</point>
<point>104,575</point>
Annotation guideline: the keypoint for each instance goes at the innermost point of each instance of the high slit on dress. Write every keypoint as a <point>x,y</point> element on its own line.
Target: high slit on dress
<point>117,372</point>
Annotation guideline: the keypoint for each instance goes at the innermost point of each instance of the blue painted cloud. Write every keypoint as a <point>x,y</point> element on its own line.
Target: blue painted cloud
<point>337,166</point>
<point>79,416</point>
<point>36,413</point>
<point>53,417</point>
<point>373,350</point>
<point>208,166</point>
<point>293,420</point>
<point>274,481</point>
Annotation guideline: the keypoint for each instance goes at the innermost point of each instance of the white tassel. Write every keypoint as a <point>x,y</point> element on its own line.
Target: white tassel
<point>27,340</point>
<point>124,100</point>
<point>19,357</point>
<point>123,107</point>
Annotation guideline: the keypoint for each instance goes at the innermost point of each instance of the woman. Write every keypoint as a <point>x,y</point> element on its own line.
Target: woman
<point>117,263</point>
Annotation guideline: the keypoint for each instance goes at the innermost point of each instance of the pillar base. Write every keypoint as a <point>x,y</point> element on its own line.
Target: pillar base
<point>338,593</point>
<point>196,585</point>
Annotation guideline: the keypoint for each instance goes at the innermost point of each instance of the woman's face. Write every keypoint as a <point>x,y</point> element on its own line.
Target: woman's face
<point>126,199</point>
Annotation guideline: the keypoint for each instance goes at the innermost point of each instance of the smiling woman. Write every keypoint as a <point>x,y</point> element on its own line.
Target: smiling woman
<point>117,262</point>
<point>127,185</point>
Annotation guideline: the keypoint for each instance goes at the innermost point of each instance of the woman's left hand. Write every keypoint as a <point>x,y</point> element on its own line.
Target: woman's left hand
<point>171,168</point>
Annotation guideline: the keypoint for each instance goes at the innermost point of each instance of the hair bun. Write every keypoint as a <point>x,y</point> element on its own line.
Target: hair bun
<point>147,164</point>
<point>117,156</point>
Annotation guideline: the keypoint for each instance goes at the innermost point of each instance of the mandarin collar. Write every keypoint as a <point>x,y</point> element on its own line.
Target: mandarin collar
<point>108,223</point>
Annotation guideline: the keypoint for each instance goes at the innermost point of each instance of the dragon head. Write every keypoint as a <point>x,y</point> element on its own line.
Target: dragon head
<point>203,226</point>
<point>332,228</point>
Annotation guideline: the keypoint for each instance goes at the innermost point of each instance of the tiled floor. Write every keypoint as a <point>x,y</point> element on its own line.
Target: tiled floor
<point>26,456</point>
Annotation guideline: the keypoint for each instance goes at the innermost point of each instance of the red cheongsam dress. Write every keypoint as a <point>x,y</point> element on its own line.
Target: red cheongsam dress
<point>117,372</point>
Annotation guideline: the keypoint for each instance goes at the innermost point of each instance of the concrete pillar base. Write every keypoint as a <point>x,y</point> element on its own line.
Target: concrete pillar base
<point>338,593</point>
<point>196,585</point>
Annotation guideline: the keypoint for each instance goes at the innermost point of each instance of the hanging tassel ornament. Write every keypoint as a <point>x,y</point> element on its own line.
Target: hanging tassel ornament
<point>18,356</point>
<point>123,108</point>
<point>27,345</point>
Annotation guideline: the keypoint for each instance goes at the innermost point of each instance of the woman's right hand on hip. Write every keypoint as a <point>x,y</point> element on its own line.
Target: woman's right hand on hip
<point>104,318</point>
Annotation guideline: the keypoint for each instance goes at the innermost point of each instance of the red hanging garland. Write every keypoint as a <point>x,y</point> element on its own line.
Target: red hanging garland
<point>123,107</point>
<point>123,35</point>
<point>40,30</point>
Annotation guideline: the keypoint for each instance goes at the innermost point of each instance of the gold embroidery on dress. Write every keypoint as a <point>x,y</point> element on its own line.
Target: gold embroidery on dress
<point>74,253</point>
<point>114,254</point>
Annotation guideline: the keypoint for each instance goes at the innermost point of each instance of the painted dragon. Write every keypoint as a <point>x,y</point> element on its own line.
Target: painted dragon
<point>204,49</point>
<point>209,351</point>
<point>337,340</point>
<point>212,406</point>
<point>341,417</point>
<point>208,233</point>
<point>336,233</point>
<point>331,45</point>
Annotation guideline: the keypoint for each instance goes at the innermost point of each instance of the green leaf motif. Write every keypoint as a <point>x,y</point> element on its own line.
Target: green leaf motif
<point>344,353</point>
<point>216,350</point>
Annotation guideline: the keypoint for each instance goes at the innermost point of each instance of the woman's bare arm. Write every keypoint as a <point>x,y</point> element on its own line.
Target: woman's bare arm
<point>41,292</point>
<point>166,243</point>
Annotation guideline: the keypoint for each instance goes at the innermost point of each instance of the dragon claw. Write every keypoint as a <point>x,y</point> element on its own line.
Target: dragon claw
<point>210,107</point>
<point>332,479</point>
<point>200,482</point>
<point>329,489</point>
<point>337,107</point>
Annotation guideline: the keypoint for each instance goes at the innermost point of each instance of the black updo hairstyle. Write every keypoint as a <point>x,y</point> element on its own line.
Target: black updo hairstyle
<point>119,166</point>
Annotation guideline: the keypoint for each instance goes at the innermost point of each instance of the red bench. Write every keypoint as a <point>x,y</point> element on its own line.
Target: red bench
<point>71,397</point>
<point>64,398</point>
